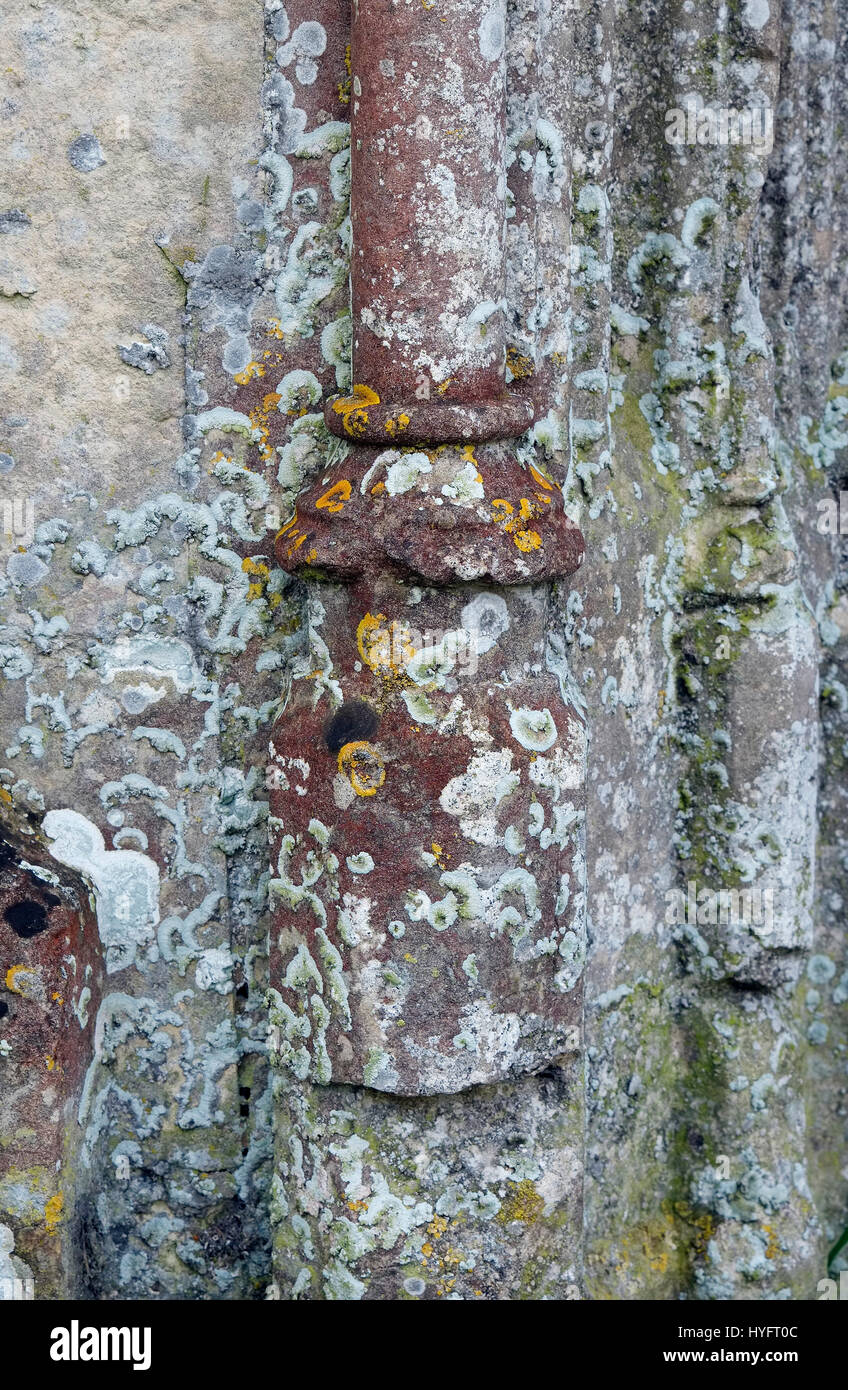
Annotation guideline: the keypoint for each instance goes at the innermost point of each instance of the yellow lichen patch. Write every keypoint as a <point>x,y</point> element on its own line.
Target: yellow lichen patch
<point>650,1245</point>
<point>439,1260</point>
<point>369,624</point>
<point>465,451</point>
<point>344,87</point>
<point>274,328</point>
<point>259,417</point>
<point>261,574</point>
<point>657,1261</point>
<point>773,1248</point>
<point>334,498</point>
<point>395,427</point>
<point>541,479</point>
<point>362,765</point>
<point>25,980</point>
<point>53,1212</point>
<point>354,409</point>
<point>503,514</point>
<point>443,385</point>
<point>520,366</point>
<point>439,855</point>
<point>6,795</point>
<point>288,526</point>
<point>523,1203</point>
<point>355,422</point>
<point>385,647</point>
<point>251,370</point>
<point>527,540</point>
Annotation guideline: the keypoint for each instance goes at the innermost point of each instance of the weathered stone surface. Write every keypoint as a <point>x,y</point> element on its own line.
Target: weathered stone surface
<point>428,840</point>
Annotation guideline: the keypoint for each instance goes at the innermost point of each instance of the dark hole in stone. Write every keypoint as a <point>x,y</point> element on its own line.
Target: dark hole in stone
<point>4,1008</point>
<point>243,992</point>
<point>354,722</point>
<point>27,918</point>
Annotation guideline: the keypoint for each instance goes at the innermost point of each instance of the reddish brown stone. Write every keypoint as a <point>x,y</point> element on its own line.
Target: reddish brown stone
<point>427,816</point>
<point>428,210</point>
<point>51,978</point>
<point>470,514</point>
<point>428,770</point>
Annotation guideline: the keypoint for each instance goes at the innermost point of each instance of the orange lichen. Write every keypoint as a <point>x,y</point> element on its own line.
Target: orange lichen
<point>385,647</point>
<point>527,540</point>
<point>360,762</point>
<point>22,979</point>
<point>335,497</point>
<point>503,514</point>
<point>541,479</point>
<point>354,409</point>
<point>259,418</point>
<point>251,370</point>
